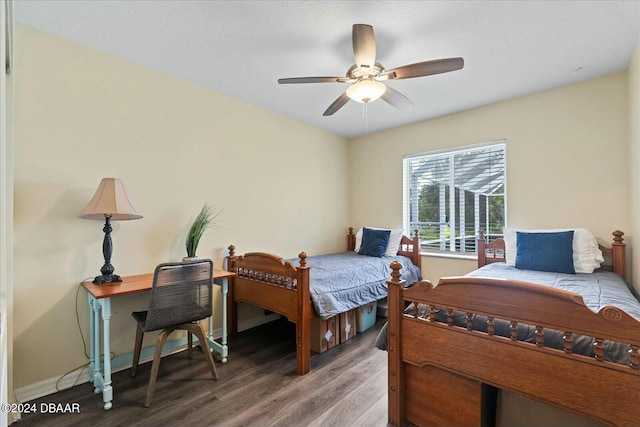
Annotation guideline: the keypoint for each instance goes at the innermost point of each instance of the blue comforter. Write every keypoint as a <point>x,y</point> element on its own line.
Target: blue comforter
<point>346,280</point>
<point>597,289</point>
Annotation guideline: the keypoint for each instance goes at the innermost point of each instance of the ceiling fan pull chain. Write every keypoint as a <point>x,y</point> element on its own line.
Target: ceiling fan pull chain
<point>366,121</point>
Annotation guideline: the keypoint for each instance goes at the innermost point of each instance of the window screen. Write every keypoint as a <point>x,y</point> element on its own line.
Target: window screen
<point>449,196</point>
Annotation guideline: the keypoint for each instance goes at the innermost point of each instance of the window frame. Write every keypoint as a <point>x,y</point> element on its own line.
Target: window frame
<point>452,251</point>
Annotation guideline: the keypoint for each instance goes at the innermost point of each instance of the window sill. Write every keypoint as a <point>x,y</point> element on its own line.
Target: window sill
<point>450,255</point>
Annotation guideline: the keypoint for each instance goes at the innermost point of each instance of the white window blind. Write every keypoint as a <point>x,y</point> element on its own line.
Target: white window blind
<point>449,196</point>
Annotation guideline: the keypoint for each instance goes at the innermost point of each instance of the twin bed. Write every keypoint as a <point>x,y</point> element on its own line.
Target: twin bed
<point>570,341</point>
<point>322,286</point>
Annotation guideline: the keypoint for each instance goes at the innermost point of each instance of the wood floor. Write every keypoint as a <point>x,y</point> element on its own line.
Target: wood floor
<point>258,386</point>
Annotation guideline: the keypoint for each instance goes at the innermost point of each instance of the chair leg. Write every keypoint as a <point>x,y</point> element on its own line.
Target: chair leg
<point>162,338</point>
<point>137,349</point>
<point>198,331</point>
<point>189,343</point>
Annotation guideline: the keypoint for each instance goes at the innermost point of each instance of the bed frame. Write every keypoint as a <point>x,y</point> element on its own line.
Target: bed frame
<point>442,374</point>
<point>270,282</point>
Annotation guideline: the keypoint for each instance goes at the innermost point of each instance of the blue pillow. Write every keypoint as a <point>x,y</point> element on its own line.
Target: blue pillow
<point>545,251</point>
<point>374,242</point>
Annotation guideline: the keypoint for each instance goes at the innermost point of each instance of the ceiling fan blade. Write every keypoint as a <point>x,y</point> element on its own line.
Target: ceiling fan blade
<point>337,104</point>
<point>396,99</point>
<point>364,45</point>
<point>425,68</point>
<point>313,80</point>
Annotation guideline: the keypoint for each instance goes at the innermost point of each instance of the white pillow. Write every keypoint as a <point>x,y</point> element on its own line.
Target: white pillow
<point>394,240</point>
<point>587,255</point>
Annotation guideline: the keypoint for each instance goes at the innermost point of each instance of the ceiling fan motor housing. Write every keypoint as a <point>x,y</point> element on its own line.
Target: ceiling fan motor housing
<point>358,73</point>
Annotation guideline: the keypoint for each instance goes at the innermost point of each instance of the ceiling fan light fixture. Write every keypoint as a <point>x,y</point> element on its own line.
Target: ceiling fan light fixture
<point>366,90</point>
<point>366,75</point>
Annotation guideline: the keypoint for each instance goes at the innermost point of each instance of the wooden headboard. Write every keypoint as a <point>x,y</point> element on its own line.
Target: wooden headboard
<point>409,247</point>
<point>614,257</point>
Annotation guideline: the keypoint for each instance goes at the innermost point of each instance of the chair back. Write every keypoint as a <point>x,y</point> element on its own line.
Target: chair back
<point>181,293</point>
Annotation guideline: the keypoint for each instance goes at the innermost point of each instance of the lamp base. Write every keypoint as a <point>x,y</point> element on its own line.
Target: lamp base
<point>107,278</point>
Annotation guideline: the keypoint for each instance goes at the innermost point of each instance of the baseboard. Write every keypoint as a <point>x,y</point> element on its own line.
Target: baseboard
<point>120,363</point>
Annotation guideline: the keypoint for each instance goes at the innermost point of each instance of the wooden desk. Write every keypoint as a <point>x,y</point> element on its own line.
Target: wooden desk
<point>99,297</point>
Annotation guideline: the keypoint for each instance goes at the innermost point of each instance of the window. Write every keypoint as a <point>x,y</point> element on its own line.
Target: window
<point>449,196</point>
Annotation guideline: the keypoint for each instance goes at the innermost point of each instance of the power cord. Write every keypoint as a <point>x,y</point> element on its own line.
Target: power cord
<point>84,346</point>
<point>84,343</point>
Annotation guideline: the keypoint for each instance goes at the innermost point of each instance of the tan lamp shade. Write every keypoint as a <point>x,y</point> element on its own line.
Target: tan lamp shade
<point>111,199</point>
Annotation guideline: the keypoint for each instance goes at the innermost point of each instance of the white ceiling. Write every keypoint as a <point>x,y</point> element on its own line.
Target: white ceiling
<point>241,48</point>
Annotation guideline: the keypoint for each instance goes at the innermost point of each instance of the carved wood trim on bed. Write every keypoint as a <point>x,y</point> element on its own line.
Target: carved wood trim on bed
<point>277,285</point>
<point>472,364</point>
<point>410,247</point>
<point>270,282</point>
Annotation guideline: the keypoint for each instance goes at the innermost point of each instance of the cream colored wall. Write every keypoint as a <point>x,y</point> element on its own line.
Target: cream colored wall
<point>82,115</point>
<point>634,163</point>
<point>433,267</point>
<point>566,161</point>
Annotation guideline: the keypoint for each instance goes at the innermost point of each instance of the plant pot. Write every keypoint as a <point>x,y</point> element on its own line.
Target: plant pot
<point>189,258</point>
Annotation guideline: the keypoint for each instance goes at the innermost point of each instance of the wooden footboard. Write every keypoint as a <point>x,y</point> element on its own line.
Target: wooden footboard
<point>461,368</point>
<point>270,282</point>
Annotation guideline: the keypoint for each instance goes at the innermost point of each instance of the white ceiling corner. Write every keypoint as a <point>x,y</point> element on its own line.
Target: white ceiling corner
<point>241,48</point>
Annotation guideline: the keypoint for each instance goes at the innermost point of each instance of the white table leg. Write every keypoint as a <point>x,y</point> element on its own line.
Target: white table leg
<point>100,372</point>
<point>107,390</point>
<point>221,347</point>
<point>92,337</point>
<point>225,349</point>
<point>95,348</point>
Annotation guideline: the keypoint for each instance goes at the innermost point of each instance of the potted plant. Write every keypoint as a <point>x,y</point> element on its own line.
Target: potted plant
<point>205,219</point>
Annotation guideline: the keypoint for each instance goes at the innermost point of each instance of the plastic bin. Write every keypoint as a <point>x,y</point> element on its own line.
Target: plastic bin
<point>366,316</point>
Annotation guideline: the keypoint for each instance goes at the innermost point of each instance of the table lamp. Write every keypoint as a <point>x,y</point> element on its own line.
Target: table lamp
<point>110,202</point>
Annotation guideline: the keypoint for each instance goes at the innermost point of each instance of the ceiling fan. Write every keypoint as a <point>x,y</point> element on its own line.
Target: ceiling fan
<point>366,75</point>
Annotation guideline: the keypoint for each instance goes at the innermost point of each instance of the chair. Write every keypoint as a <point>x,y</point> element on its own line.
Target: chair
<point>180,297</point>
